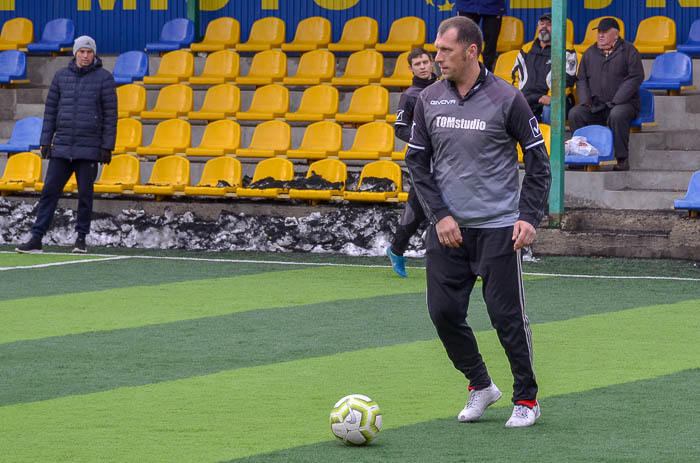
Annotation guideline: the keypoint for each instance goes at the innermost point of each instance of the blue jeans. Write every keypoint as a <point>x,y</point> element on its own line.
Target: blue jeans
<point>546,117</point>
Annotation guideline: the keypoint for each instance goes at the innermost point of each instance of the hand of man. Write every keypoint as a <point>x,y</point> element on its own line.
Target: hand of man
<point>105,156</point>
<point>545,100</point>
<point>523,234</point>
<point>45,151</point>
<point>448,232</point>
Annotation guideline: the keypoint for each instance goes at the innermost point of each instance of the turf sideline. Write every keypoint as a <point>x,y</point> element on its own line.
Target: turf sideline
<point>56,264</point>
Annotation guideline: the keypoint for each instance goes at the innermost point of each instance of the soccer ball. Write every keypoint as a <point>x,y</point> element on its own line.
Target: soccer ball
<point>356,419</point>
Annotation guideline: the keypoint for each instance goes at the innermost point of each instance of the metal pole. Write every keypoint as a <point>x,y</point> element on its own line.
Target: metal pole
<point>193,15</point>
<point>558,128</point>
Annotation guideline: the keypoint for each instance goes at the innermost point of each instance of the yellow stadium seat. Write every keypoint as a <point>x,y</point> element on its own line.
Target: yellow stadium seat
<point>221,33</point>
<point>129,136</point>
<point>173,101</point>
<point>430,47</point>
<point>372,141</point>
<point>504,65</point>
<point>175,66</point>
<point>546,134</point>
<point>367,104</point>
<point>377,169</point>
<point>268,102</point>
<point>169,177</point>
<point>358,33</point>
<point>314,67</point>
<point>363,67</point>
<point>216,171</point>
<point>399,155</point>
<point>655,35</point>
<point>321,140</point>
<point>131,100</point>
<point>120,175</point>
<point>331,170</point>
<point>265,33</point>
<point>16,34</point>
<point>219,138</point>
<point>402,75</point>
<point>276,168</point>
<point>511,36</point>
<point>317,103</point>
<point>405,34</point>
<point>171,137</point>
<point>311,34</point>
<point>591,37</point>
<point>267,67</point>
<point>22,172</point>
<point>220,101</point>
<point>390,118</point>
<point>220,67</point>
<point>271,138</point>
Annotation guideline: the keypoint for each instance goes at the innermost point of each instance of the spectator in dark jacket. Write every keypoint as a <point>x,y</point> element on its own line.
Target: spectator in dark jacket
<point>80,127</point>
<point>608,84</point>
<point>488,14</point>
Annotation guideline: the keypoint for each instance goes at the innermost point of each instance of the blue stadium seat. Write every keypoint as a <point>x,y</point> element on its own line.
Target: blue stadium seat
<point>13,67</point>
<point>58,36</point>
<point>25,136</point>
<point>691,201</point>
<point>646,114</point>
<point>670,71</point>
<point>176,33</point>
<point>692,45</point>
<point>599,136</point>
<point>130,66</point>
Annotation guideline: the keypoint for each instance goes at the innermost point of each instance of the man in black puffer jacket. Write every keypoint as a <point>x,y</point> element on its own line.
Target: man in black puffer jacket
<point>80,127</point>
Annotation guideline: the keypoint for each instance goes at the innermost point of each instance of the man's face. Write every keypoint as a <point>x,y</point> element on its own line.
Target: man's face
<point>84,57</point>
<point>452,56</point>
<point>607,38</point>
<point>544,30</point>
<point>422,66</point>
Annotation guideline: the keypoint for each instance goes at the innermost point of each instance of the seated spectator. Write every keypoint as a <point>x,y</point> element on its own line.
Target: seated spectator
<point>608,84</point>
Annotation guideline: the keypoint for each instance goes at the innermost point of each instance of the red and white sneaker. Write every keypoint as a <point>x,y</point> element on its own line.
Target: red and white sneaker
<point>523,416</point>
<point>479,400</point>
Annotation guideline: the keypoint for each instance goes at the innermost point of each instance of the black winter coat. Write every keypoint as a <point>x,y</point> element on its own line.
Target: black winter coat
<point>80,116</point>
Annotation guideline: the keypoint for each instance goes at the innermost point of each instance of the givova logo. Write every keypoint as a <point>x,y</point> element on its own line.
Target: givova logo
<point>434,102</point>
<point>458,123</point>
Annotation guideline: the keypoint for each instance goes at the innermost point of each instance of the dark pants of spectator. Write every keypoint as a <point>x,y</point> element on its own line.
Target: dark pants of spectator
<point>411,219</point>
<point>490,27</point>
<point>618,119</point>
<point>57,175</point>
<point>451,274</point>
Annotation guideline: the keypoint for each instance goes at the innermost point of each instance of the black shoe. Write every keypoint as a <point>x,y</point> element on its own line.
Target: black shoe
<point>33,246</point>
<point>80,247</point>
<point>622,165</point>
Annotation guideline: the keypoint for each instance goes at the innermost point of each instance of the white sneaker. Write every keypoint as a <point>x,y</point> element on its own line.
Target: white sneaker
<point>479,400</point>
<point>523,416</point>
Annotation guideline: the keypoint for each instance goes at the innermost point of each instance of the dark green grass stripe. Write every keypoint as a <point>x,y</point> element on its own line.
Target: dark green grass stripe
<point>647,420</point>
<point>95,361</point>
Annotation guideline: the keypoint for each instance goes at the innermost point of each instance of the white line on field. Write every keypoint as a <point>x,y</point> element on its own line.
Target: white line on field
<point>68,262</point>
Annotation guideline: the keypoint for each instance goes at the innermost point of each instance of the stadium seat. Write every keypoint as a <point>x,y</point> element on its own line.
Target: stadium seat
<point>363,67</point>
<point>220,67</point>
<point>399,155</point>
<point>171,137</point>
<point>22,172</point>
<point>267,67</point>
<point>221,33</point>
<point>358,33</point>
<point>170,176</point>
<point>691,200</point>
<point>405,34</point>
<point>220,101</point>
<point>130,67</point>
<point>13,67</point>
<point>219,138</point>
<point>602,138</point>
<point>390,118</point>
<point>546,134</point>
<point>331,170</point>
<point>504,66</point>
<point>317,103</point>
<point>25,136</point>
<point>511,36</point>
<point>402,75</point>
<point>372,141</point>
<point>314,67</point>
<point>591,37</point>
<point>173,101</point>
<point>321,140</point>
<point>216,172</point>
<point>131,100</point>
<point>311,34</point>
<point>655,35</point>
<point>270,139</point>
<point>275,168</point>
<point>119,176</point>
<point>16,34</point>
<point>265,33</point>
<point>692,46</point>
<point>269,102</point>
<point>129,136</point>
<point>175,66</point>
<point>646,113</point>
<point>377,169</point>
<point>57,37</point>
<point>367,104</point>
<point>175,34</point>
<point>672,71</point>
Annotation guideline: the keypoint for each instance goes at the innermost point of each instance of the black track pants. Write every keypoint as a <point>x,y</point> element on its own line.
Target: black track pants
<point>451,275</point>
<point>411,219</point>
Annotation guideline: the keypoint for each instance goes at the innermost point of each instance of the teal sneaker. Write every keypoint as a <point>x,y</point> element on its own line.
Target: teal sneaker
<point>397,262</point>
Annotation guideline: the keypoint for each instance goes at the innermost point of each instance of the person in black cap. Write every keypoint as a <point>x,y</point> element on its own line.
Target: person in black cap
<point>608,84</point>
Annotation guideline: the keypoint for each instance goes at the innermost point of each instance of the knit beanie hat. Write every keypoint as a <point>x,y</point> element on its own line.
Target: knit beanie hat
<point>84,41</point>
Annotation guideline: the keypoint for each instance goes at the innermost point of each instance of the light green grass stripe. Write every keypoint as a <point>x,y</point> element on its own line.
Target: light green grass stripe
<point>262,409</point>
<point>27,260</point>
